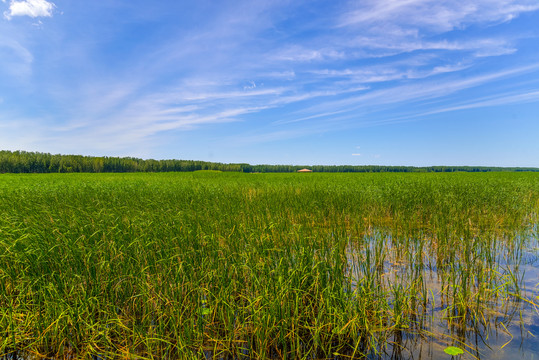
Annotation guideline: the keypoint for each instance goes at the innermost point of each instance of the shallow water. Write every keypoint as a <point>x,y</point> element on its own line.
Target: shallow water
<point>507,327</point>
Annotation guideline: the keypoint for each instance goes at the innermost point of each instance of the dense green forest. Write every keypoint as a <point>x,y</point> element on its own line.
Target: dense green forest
<point>36,162</point>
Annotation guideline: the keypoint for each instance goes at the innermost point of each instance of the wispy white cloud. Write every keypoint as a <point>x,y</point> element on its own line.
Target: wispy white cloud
<point>389,72</point>
<point>292,97</point>
<point>415,92</point>
<point>123,115</point>
<point>498,100</point>
<point>16,48</point>
<point>298,53</point>
<point>287,75</point>
<point>502,99</point>
<point>435,15</point>
<point>318,115</point>
<point>15,59</point>
<point>31,8</point>
<point>389,45</point>
<point>246,93</point>
<point>387,27</point>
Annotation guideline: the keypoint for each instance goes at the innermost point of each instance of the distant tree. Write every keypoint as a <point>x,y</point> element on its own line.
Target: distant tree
<point>35,162</point>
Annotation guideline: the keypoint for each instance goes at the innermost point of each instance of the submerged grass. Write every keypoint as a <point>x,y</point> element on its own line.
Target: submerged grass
<point>285,266</point>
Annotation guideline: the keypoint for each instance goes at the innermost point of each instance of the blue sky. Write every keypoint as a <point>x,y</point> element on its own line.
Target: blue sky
<point>389,82</point>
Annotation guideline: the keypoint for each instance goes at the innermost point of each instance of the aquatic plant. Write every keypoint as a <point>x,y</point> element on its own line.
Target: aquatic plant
<point>198,265</point>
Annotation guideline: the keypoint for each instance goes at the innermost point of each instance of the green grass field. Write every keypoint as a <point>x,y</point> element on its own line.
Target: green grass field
<point>291,266</point>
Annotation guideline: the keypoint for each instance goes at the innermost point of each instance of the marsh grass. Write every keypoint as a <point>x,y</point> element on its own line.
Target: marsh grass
<point>274,266</point>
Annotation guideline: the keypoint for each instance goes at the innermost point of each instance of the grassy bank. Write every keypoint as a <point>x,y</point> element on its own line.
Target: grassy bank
<point>265,265</point>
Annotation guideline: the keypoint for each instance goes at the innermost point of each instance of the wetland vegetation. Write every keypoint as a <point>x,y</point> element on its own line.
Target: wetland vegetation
<point>269,266</point>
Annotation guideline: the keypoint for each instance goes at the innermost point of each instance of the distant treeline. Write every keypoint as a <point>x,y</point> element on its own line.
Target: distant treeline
<point>35,162</point>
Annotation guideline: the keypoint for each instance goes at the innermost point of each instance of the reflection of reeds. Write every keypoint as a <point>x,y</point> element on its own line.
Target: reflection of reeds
<point>266,266</point>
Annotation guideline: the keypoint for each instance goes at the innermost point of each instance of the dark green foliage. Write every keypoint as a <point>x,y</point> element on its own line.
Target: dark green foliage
<point>35,162</point>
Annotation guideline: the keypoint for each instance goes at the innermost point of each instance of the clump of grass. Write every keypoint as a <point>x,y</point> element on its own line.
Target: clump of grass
<point>269,266</point>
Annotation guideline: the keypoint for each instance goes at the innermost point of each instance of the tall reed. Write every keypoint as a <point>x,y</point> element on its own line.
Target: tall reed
<point>289,266</point>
